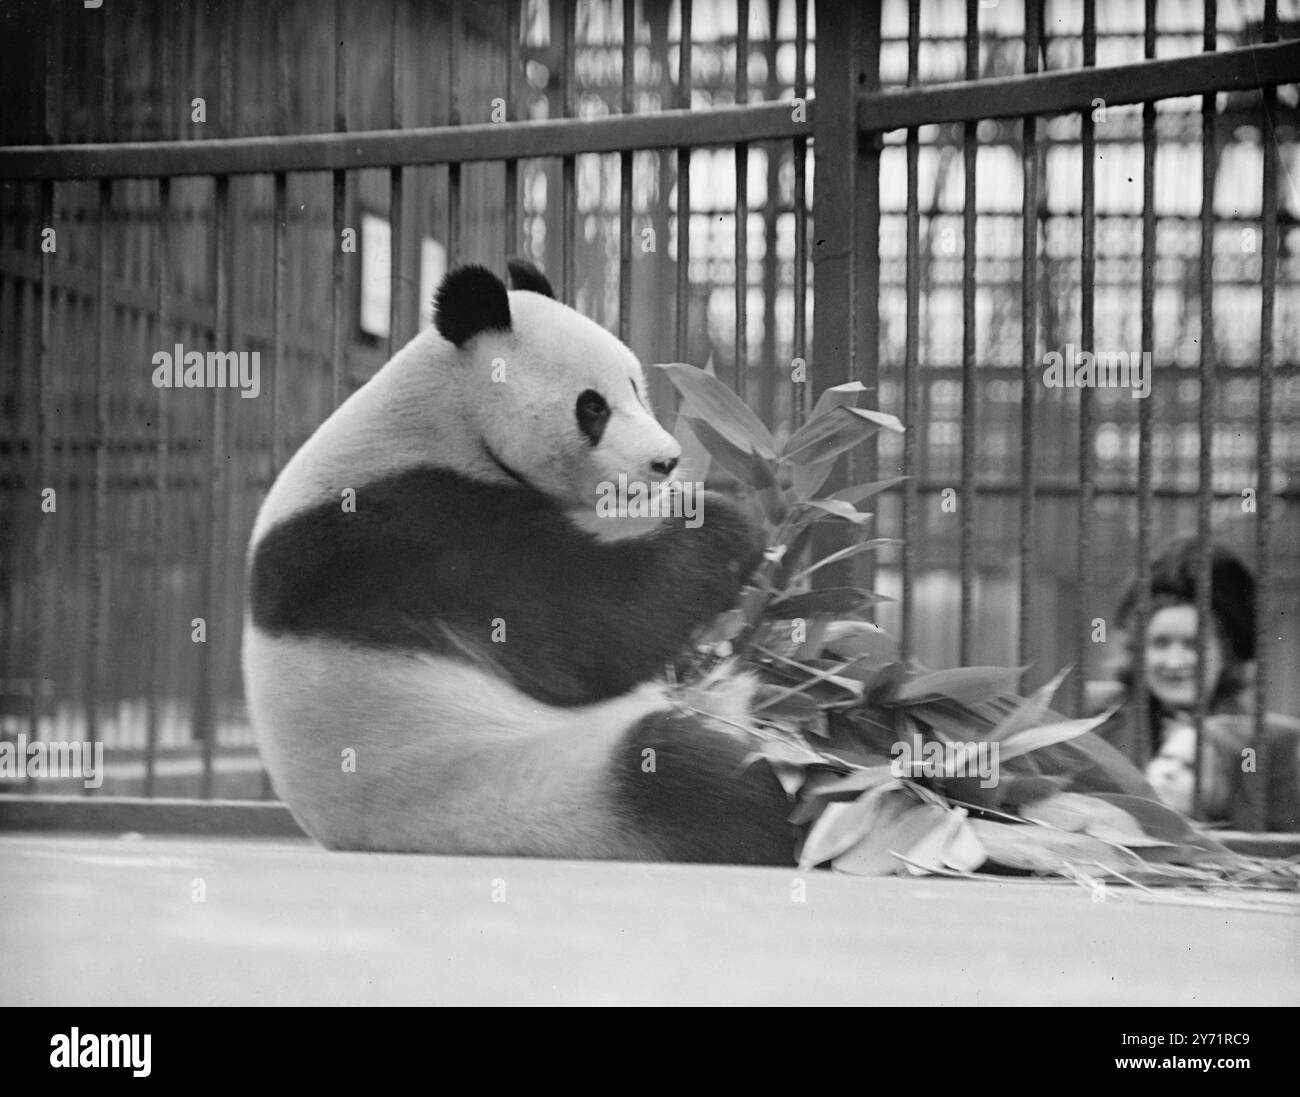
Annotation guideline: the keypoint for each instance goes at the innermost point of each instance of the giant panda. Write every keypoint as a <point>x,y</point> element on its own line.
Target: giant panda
<point>445,651</point>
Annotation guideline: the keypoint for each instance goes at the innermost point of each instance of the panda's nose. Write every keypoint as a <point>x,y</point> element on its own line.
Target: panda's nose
<point>664,467</point>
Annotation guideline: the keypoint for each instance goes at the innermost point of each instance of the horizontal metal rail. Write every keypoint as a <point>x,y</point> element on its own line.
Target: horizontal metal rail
<point>671,129</point>
<point>1060,92</point>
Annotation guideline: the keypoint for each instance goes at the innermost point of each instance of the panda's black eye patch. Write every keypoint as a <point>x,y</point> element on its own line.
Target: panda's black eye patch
<point>593,414</point>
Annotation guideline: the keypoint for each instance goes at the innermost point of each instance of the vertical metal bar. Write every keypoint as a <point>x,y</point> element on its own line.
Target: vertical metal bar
<point>513,242</point>
<point>771,216</point>
<point>1205,400</point>
<point>215,549</point>
<point>799,404</point>
<point>54,74</point>
<point>41,600</point>
<point>42,605</point>
<point>911,354</point>
<point>99,512</point>
<point>453,119</point>
<point>1087,299</point>
<point>1029,340</point>
<point>865,250</point>
<point>340,209</point>
<point>969,380</point>
<point>214,496</point>
<point>157,620</point>
<point>742,207</point>
<point>1264,456</point>
<point>396,283</point>
<point>279,358</point>
<point>569,184</point>
<point>107,91</point>
<point>1144,492</point>
<point>279,283</point>
<point>625,178</point>
<point>684,192</point>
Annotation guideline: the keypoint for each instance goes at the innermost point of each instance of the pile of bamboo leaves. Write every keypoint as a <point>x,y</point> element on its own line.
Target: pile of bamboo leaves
<point>892,768</point>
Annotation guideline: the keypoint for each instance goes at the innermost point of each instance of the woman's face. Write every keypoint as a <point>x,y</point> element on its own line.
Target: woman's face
<point>1171,658</point>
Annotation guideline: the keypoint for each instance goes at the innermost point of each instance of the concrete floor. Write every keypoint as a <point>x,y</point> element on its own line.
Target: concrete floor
<point>94,920</point>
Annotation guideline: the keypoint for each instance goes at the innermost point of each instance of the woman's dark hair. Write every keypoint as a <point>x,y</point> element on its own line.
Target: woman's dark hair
<point>1232,591</point>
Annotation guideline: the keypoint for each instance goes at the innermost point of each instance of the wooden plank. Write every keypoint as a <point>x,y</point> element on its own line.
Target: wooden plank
<point>670,129</point>
<point>147,815</point>
<point>1074,89</point>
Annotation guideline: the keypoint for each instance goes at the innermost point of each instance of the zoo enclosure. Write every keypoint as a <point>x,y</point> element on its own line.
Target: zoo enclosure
<point>177,237</point>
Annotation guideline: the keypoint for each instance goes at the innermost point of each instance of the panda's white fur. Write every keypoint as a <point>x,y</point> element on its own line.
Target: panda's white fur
<point>388,719</point>
<point>435,404</point>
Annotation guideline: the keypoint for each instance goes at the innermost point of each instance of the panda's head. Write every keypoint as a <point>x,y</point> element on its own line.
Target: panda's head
<point>555,401</point>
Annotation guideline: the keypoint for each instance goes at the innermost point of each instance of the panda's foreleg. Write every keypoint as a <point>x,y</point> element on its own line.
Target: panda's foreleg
<point>699,795</point>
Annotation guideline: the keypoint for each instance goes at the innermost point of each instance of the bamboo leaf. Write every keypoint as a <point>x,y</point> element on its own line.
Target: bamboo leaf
<point>812,645</point>
<point>837,396</point>
<point>859,493</point>
<point>879,418</point>
<point>1022,742</point>
<point>1162,822</point>
<point>836,508</point>
<point>744,465</point>
<point>859,781</point>
<point>844,554</point>
<point>728,413</point>
<point>841,826</point>
<point>1044,850</point>
<point>903,826</point>
<point>809,478</point>
<point>793,704</point>
<point>695,460</point>
<point>1031,710</point>
<point>826,600</point>
<point>1075,811</point>
<point>827,436</point>
<point>964,684</point>
<point>856,639</point>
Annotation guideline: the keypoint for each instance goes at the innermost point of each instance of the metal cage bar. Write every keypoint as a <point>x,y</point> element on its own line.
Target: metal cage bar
<point>682,335</point>
<point>99,508</point>
<point>800,388</point>
<point>1205,405</point>
<point>1029,339</point>
<point>1087,306</point>
<point>513,242</point>
<point>625,176</point>
<point>396,234</point>
<point>340,196</point>
<point>1145,500</point>
<point>969,378</point>
<point>158,538</point>
<point>742,207</point>
<point>453,119</point>
<point>568,164</point>
<point>1264,455</point>
<point>911,358</point>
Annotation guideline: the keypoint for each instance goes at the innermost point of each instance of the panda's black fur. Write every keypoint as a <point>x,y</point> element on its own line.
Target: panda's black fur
<point>390,717</point>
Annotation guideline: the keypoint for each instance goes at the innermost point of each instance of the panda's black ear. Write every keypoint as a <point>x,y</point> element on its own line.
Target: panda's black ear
<point>523,275</point>
<point>470,300</point>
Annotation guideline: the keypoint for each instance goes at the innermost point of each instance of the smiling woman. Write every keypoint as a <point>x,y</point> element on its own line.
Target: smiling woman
<point>1237,771</point>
